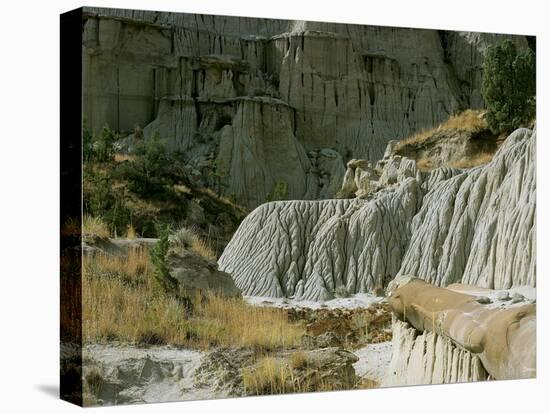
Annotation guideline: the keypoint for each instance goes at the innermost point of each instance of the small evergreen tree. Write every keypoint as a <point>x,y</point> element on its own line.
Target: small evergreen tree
<point>158,258</point>
<point>104,145</point>
<point>509,86</point>
<point>147,173</point>
<point>279,192</point>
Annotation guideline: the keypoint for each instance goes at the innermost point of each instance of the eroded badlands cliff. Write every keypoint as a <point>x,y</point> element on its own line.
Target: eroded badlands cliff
<point>474,226</point>
<point>262,109</point>
<point>228,92</point>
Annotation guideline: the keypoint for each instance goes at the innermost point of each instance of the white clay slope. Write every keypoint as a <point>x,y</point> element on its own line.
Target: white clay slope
<point>478,227</point>
<point>475,227</point>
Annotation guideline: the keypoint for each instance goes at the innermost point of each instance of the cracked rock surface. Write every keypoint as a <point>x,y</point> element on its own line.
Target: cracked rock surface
<point>473,226</point>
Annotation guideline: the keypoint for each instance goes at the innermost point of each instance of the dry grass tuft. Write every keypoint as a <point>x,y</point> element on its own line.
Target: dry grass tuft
<point>238,324</point>
<point>269,376</point>
<point>124,157</point>
<point>188,238</point>
<point>469,120</point>
<point>113,310</point>
<point>475,161</point>
<point>182,189</point>
<point>93,381</point>
<point>424,164</point>
<point>95,226</point>
<point>202,248</point>
<point>132,268</point>
<point>368,383</point>
<point>279,376</point>
<point>121,302</point>
<point>298,360</point>
<point>91,386</point>
<point>131,232</point>
<point>211,193</point>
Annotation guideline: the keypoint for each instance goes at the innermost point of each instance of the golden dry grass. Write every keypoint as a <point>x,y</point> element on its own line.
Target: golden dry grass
<point>95,226</point>
<point>235,323</point>
<point>281,376</point>
<point>424,164</point>
<point>469,120</point>
<point>202,248</point>
<point>134,267</point>
<point>131,232</point>
<point>114,311</point>
<point>211,193</point>
<point>269,376</point>
<point>183,189</point>
<point>367,383</point>
<point>470,162</point>
<point>188,238</point>
<point>121,302</point>
<point>298,359</point>
<point>124,157</point>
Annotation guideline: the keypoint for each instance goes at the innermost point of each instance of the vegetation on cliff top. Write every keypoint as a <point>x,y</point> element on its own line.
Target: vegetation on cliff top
<point>469,120</point>
<point>509,86</point>
<point>509,92</point>
<point>138,194</point>
<point>470,127</point>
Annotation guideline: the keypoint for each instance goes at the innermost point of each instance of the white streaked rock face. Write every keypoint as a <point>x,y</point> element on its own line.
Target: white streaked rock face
<point>308,249</point>
<point>348,88</point>
<point>429,358</point>
<point>476,226</point>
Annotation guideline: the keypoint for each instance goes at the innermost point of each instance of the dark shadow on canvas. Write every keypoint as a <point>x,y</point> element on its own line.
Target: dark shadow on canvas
<point>49,389</point>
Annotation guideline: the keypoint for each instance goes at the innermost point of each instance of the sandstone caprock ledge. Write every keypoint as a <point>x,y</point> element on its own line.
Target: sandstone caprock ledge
<point>443,336</point>
<point>423,358</point>
<point>472,226</point>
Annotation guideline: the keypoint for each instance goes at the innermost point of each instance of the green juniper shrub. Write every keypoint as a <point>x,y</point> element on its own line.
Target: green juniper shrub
<point>101,201</point>
<point>158,253</point>
<point>509,86</point>
<point>279,192</point>
<point>152,172</point>
<point>103,146</point>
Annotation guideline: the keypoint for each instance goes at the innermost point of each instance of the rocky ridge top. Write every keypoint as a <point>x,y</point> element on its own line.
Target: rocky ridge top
<point>232,91</point>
